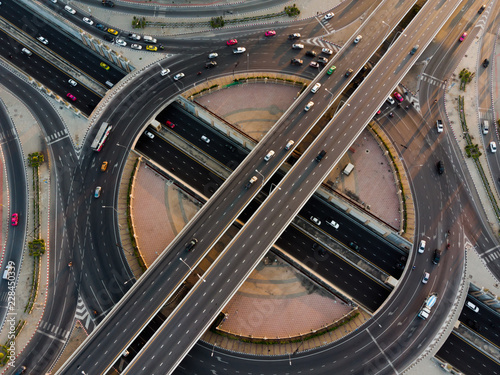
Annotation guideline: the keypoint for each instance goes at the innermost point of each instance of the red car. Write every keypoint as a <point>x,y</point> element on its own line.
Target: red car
<point>398,97</point>
<point>72,97</point>
<point>270,33</point>
<point>464,35</point>
<point>170,124</point>
<point>15,219</point>
<point>231,42</point>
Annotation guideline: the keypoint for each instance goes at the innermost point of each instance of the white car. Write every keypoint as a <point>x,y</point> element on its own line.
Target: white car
<point>315,220</point>
<point>421,247</point>
<point>135,46</point>
<point>54,1</point>
<point>358,38</point>
<point>439,126</point>
<point>43,40</point>
<point>205,139</point>
<point>121,42</point>
<point>213,55</point>
<point>316,88</point>
<point>493,147</point>
<point>333,223</point>
<point>297,46</point>
<point>178,76</point>
<point>269,155</point>
<point>134,36</point>
<point>149,134</point>
<point>328,51</point>
<point>390,100</point>
<point>239,50</point>
<point>329,16</point>
<point>308,106</point>
<point>164,72</point>
<point>471,306</point>
<point>425,279</point>
<point>88,20</point>
<point>68,9</point>
<point>72,82</point>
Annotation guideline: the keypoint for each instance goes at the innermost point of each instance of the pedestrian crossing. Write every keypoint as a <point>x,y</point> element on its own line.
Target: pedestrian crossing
<point>485,114</point>
<point>53,331</point>
<point>83,315</point>
<point>493,256</point>
<point>432,81</point>
<point>57,136</point>
<point>8,134</point>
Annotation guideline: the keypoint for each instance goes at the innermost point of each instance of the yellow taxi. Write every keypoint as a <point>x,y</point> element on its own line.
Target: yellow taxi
<point>151,48</point>
<point>113,31</point>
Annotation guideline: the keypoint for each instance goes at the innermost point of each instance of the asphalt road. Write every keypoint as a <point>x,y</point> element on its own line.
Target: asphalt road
<point>485,322</point>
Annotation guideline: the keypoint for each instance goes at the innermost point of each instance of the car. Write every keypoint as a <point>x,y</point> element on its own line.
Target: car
<point>239,50</point>
<point>251,182</point>
<point>493,147</point>
<point>151,48</point>
<point>289,144</point>
<point>109,38</point>
<point>97,192</point>
<point>101,27</point>
<point>439,126</point>
<point>104,65</point>
<point>72,82</point>
<point>270,33</point>
<point>269,155</point>
<point>311,53</point>
<point>328,16</point>
<point>211,64</point>
<point>148,134</point>
<point>104,166</point>
<point>358,39</point>
<point>54,1</point>
<point>297,46</point>
<point>437,256</point>
<point>314,64</point>
<point>322,60</point>
<point>21,369</point>
<point>483,7</point>
<point>421,246</point>
<point>354,245</point>
<point>294,36</point>
<point>308,106</point>
<point>379,112</point>
<point>231,147</point>
<point>486,62</point>
<point>72,97</point>
<point>333,223</point>
<point>440,167</point>
<point>348,72</point>
<point>191,244</point>
<point>135,46</point>
<point>231,42</point>
<point>43,40</point>
<point>121,42</point>
<point>213,55</point>
<point>327,51</point>
<point>113,31</point>
<point>425,279</point>
<point>164,72</point>
<point>88,20</point>
<point>68,9</point>
<point>296,62</point>
<point>331,70</point>
<point>170,124</point>
<point>398,96</point>
<point>315,220</point>
<point>316,88</point>
<point>471,306</point>
<point>108,3</point>
<point>15,219</point>
<point>205,139</point>
<point>462,38</point>
<point>134,36</point>
<point>179,76</point>
<point>414,49</point>
<point>390,100</point>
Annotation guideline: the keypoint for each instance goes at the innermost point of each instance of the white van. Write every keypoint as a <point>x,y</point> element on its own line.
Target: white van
<point>269,155</point>
<point>486,126</point>
<point>289,144</point>
<point>348,169</point>
<point>149,39</point>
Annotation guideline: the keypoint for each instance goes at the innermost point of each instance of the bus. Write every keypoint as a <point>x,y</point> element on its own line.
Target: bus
<point>101,136</point>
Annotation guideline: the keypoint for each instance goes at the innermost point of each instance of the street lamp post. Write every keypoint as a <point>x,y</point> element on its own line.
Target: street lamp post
<point>338,107</point>
<point>201,278</point>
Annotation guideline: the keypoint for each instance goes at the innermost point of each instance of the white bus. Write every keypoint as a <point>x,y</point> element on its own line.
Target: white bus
<point>101,136</point>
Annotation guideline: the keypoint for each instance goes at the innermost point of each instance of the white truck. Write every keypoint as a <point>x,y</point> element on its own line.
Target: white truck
<point>430,301</point>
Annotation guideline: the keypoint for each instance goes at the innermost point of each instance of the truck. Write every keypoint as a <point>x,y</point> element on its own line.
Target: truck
<point>348,169</point>
<point>430,301</point>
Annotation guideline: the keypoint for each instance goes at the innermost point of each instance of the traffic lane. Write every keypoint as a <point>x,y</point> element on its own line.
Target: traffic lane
<point>466,358</point>
<point>68,48</point>
<point>485,321</point>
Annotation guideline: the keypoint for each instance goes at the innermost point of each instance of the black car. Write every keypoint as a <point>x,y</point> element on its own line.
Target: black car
<point>230,147</point>
<point>109,38</point>
<point>486,62</point>
<point>108,3</point>
<point>296,62</point>
<point>440,167</point>
<point>354,246</point>
<point>348,73</point>
<point>437,256</point>
<point>311,53</point>
<point>483,7</point>
<point>191,244</point>
<point>211,64</point>
<point>101,27</point>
